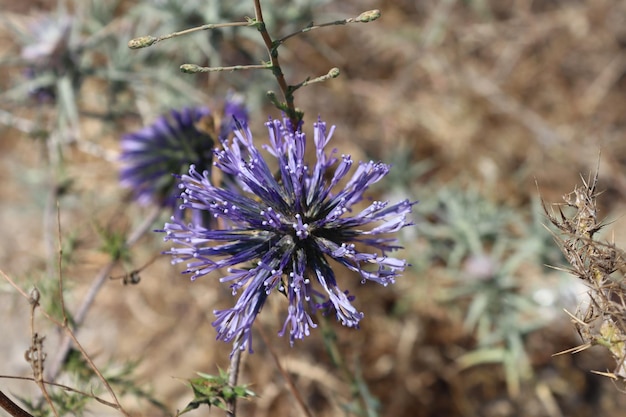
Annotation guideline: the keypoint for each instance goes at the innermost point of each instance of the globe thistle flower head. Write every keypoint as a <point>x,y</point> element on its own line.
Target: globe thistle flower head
<point>151,155</point>
<point>286,226</point>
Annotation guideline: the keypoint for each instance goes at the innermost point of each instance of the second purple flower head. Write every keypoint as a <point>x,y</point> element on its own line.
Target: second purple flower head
<point>151,155</point>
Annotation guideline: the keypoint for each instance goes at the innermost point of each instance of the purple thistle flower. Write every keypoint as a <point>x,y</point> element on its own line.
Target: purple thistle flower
<point>288,224</point>
<point>169,146</point>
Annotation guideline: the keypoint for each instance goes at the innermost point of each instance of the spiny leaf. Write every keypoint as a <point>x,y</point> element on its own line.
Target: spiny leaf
<point>214,390</point>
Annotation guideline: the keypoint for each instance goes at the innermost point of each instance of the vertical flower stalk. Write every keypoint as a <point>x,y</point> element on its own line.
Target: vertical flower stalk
<point>286,225</point>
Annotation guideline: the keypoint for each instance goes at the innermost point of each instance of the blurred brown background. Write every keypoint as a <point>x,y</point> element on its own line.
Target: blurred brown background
<point>493,94</point>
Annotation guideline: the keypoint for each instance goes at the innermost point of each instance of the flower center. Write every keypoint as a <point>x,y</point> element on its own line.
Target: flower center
<point>301,228</point>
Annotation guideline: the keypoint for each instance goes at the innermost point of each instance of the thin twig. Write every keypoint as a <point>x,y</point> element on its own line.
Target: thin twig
<point>145,41</point>
<point>292,387</point>
<point>364,17</point>
<point>60,264</point>
<point>193,68</point>
<point>93,366</point>
<point>35,354</point>
<point>54,368</point>
<point>339,363</point>
<point>63,387</point>
<point>13,284</point>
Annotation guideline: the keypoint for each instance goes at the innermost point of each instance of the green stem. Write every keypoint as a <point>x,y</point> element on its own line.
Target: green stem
<point>290,109</point>
<point>356,390</point>
<point>149,40</point>
<point>193,68</point>
<point>233,376</point>
<point>364,17</point>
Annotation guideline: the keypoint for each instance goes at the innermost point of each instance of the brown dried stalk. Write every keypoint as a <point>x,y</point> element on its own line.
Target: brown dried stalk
<point>601,265</point>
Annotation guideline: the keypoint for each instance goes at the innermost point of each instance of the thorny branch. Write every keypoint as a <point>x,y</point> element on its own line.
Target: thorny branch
<point>601,265</point>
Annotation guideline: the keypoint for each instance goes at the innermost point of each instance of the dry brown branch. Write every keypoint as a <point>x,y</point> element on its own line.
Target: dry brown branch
<point>601,321</point>
<point>36,356</point>
<point>10,407</point>
<point>63,387</point>
<point>81,313</point>
<point>292,388</point>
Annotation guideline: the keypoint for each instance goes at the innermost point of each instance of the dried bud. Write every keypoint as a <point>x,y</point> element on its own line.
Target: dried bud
<point>190,68</point>
<point>141,42</point>
<point>368,16</point>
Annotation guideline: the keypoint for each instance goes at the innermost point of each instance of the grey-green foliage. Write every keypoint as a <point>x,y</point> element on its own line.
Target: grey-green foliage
<point>485,250</point>
<point>80,40</point>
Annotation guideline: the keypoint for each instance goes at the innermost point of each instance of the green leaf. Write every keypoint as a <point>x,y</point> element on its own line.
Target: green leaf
<point>215,391</point>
